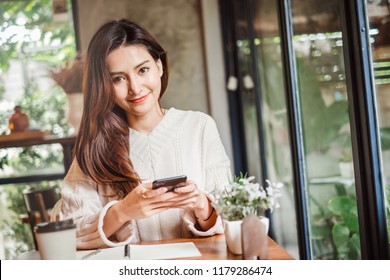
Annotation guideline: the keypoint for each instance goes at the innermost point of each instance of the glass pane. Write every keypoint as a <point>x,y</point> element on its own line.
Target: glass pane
<point>266,44</point>
<point>379,23</point>
<point>246,90</point>
<point>318,47</point>
<point>275,125</point>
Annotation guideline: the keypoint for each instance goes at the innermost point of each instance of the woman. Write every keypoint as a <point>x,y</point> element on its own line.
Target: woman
<point>108,193</point>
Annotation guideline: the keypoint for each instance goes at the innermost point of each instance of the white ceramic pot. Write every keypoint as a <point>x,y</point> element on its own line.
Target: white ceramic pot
<point>74,110</point>
<point>233,234</point>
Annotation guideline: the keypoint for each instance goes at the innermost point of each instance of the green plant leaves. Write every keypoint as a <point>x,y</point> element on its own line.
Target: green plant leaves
<point>319,232</point>
<point>345,231</point>
<point>340,235</point>
<point>346,208</point>
<point>45,107</point>
<point>348,247</point>
<point>354,241</point>
<point>340,204</point>
<point>385,138</point>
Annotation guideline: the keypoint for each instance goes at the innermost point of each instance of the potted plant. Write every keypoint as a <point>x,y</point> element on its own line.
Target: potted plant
<point>71,80</point>
<point>241,198</point>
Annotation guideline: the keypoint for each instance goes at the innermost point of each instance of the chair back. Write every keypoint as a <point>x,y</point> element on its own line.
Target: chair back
<point>38,202</point>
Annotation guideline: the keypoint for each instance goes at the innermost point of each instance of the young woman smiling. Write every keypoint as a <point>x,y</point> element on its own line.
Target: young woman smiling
<point>126,141</point>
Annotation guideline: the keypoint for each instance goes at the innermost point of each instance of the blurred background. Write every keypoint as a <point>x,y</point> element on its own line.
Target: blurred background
<point>297,89</point>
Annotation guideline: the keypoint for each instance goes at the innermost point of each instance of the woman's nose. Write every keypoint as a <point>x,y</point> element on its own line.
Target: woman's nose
<point>135,86</point>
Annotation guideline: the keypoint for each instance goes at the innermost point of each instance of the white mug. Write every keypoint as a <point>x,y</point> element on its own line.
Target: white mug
<point>56,240</point>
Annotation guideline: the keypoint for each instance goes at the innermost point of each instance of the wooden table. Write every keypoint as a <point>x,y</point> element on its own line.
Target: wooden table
<point>211,248</point>
<point>214,248</point>
<point>28,139</point>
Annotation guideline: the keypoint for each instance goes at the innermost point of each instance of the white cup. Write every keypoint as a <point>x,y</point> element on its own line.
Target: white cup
<point>56,240</point>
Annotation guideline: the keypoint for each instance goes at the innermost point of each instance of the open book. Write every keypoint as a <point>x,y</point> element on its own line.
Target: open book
<point>143,252</point>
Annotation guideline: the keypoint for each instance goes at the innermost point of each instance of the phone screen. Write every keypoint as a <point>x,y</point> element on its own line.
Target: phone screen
<point>171,183</point>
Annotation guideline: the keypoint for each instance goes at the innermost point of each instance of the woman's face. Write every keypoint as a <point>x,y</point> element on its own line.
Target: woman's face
<point>136,79</point>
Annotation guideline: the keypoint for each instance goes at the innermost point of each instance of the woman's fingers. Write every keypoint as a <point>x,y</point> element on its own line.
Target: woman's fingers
<point>149,193</point>
<point>144,201</point>
<point>192,200</point>
<point>146,190</point>
<point>150,197</point>
<point>139,203</point>
<point>188,203</point>
<point>189,187</point>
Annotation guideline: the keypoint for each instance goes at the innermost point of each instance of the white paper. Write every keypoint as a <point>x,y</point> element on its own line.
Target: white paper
<point>146,252</point>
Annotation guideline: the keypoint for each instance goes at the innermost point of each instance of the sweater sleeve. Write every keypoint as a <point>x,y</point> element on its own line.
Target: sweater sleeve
<point>217,173</point>
<point>83,204</point>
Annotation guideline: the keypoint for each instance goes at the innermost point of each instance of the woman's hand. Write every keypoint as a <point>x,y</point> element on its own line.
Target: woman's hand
<point>143,202</point>
<point>189,197</point>
<point>140,203</point>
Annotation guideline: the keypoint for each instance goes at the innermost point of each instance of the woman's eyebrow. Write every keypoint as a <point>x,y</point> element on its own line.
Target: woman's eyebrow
<point>137,66</point>
<point>142,63</point>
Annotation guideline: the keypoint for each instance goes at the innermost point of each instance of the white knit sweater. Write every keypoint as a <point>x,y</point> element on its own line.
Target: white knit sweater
<point>183,143</point>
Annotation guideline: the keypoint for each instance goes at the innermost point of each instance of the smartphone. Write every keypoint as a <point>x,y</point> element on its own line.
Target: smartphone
<point>170,183</point>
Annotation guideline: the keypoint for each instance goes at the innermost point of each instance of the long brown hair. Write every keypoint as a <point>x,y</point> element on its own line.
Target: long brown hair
<point>102,147</point>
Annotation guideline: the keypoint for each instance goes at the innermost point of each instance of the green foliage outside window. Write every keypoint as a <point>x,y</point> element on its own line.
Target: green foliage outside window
<point>49,44</point>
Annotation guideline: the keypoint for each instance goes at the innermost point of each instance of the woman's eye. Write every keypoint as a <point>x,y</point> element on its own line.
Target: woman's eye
<point>118,79</point>
<point>144,70</point>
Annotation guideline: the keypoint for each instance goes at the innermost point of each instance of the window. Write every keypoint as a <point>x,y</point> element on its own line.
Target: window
<point>36,37</point>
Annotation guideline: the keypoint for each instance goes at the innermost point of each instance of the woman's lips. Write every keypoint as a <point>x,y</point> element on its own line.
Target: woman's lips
<point>139,100</point>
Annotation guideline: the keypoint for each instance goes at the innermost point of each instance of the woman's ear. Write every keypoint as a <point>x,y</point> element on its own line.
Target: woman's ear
<point>160,67</point>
